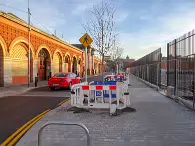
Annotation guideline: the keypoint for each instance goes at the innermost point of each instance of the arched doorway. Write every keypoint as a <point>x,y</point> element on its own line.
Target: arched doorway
<point>1,67</point>
<point>19,55</point>
<point>57,63</point>
<point>74,65</point>
<point>67,63</point>
<point>44,65</point>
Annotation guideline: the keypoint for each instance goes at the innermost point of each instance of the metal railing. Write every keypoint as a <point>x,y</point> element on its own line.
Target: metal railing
<point>63,123</point>
<point>148,72</point>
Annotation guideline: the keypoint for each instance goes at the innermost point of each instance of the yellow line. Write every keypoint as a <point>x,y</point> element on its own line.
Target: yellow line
<point>65,101</point>
<point>19,130</point>
<point>19,136</point>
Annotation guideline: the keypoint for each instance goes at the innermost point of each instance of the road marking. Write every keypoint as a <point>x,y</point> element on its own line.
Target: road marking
<point>63,102</point>
<point>25,127</point>
<point>19,136</point>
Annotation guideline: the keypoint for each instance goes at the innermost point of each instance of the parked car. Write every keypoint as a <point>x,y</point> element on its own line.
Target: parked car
<point>63,80</point>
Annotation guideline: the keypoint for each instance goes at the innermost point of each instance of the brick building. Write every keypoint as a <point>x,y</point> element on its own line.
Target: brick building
<point>49,54</point>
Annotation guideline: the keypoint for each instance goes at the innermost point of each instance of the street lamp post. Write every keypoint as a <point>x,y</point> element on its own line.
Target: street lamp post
<point>29,52</point>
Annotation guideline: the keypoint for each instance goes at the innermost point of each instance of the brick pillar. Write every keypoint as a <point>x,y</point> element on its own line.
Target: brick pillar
<point>92,65</point>
<point>52,68</point>
<point>7,71</point>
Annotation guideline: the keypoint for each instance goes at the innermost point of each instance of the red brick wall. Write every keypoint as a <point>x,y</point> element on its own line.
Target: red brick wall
<point>1,68</point>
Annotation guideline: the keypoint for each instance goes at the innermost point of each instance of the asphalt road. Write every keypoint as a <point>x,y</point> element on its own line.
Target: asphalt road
<point>45,91</point>
<point>15,111</point>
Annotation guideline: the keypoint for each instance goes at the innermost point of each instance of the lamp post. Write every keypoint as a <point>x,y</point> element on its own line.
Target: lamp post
<point>29,52</point>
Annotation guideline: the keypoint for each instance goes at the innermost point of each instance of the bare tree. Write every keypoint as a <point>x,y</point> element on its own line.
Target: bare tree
<point>101,27</point>
<point>117,52</point>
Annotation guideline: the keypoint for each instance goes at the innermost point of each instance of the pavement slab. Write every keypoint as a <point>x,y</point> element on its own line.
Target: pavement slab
<point>158,121</point>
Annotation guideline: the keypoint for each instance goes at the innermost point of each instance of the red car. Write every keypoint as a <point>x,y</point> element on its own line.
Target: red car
<point>63,80</point>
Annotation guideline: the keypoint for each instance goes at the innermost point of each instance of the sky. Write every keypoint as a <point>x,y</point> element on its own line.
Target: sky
<point>143,25</point>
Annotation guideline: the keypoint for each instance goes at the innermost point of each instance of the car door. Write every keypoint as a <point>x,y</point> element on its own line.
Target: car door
<point>77,78</point>
<point>73,78</point>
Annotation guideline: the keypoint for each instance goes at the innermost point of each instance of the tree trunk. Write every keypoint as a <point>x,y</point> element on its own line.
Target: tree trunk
<point>103,68</point>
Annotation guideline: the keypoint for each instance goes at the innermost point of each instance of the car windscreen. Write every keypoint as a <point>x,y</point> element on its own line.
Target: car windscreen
<point>61,75</point>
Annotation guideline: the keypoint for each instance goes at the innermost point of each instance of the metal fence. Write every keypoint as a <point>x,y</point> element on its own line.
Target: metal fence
<point>180,72</point>
<point>177,70</point>
<point>148,67</point>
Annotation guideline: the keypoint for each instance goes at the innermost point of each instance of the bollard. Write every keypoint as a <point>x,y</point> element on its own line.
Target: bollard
<point>48,78</point>
<point>50,74</point>
<point>36,79</point>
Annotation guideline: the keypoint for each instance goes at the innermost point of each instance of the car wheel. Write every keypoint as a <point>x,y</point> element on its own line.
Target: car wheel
<point>52,89</point>
<point>70,85</point>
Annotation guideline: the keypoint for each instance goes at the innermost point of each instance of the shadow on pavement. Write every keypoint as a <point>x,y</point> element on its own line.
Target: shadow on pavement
<point>46,88</point>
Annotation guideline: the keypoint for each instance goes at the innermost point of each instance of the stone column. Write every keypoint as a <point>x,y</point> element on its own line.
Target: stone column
<point>71,64</point>
<point>7,71</point>
<point>93,64</point>
<point>63,67</point>
<point>52,68</point>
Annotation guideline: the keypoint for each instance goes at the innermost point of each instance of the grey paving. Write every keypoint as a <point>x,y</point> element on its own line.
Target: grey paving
<point>158,121</point>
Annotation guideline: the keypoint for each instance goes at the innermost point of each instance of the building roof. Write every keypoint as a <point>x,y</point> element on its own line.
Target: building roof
<point>18,20</point>
<point>80,46</point>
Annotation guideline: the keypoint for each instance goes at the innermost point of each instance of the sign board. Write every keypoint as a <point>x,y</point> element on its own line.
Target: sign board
<point>98,93</point>
<point>86,40</point>
<point>107,58</point>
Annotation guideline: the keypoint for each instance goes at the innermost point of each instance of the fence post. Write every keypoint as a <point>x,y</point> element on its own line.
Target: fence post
<point>167,64</point>
<point>147,72</point>
<point>157,74</point>
<point>176,78</point>
<point>175,65</point>
<point>143,72</point>
<point>194,84</point>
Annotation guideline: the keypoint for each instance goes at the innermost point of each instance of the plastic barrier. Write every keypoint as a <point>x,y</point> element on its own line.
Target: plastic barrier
<point>109,78</point>
<point>103,100</point>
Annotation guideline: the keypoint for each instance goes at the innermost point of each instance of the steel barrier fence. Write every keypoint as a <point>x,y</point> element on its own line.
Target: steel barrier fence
<point>148,67</point>
<point>177,70</point>
<point>181,71</point>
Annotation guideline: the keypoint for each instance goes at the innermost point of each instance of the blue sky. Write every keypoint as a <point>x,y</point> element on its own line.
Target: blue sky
<point>143,25</point>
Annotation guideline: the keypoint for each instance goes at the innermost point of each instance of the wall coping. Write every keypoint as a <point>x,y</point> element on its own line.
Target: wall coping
<point>23,23</point>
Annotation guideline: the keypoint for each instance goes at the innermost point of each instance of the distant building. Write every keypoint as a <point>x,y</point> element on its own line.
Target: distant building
<point>92,58</point>
<point>125,63</point>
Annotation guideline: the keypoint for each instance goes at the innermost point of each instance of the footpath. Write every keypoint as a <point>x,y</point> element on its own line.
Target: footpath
<point>18,89</point>
<point>158,121</point>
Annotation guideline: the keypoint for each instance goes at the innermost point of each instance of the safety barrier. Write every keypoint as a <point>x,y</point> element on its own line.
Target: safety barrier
<point>80,84</point>
<point>63,123</point>
<point>100,96</point>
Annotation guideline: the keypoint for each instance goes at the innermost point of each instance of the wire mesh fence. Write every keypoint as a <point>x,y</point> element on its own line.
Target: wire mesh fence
<point>149,72</point>
<point>148,67</point>
<point>177,70</point>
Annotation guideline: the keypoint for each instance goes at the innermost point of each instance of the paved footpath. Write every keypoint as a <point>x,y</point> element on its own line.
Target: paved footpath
<point>158,121</point>
<point>18,89</point>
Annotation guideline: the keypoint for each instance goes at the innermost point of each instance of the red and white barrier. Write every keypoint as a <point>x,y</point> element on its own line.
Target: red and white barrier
<point>85,96</point>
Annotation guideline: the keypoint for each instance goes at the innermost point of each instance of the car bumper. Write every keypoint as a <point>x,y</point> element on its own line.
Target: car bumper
<point>51,85</point>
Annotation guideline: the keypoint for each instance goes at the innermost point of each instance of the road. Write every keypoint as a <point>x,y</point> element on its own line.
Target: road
<point>17,110</point>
